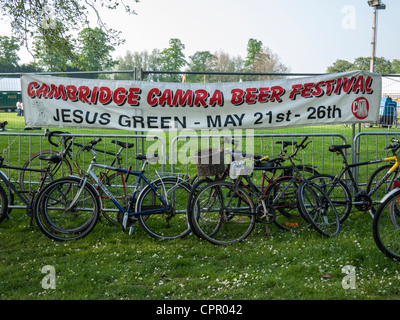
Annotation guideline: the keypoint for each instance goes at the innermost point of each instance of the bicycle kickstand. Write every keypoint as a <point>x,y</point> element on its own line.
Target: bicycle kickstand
<point>131,229</point>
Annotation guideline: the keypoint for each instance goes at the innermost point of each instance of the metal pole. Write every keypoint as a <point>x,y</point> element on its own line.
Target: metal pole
<point>371,64</point>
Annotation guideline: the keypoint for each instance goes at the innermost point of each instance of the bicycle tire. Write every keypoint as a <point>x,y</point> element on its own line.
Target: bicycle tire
<point>318,209</point>
<point>387,185</point>
<point>386,226</point>
<point>286,210</point>
<point>10,198</point>
<point>3,204</point>
<point>190,203</point>
<point>305,171</point>
<point>223,214</point>
<point>337,191</point>
<point>28,178</point>
<point>168,224</point>
<point>52,216</point>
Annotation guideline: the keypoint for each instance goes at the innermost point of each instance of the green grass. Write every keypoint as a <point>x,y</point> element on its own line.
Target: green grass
<point>109,264</point>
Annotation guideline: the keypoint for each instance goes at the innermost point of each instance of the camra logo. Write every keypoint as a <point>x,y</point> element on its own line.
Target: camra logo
<point>360,108</point>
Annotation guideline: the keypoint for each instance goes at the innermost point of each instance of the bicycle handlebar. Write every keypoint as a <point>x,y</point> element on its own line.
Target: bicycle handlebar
<point>301,145</point>
<point>50,134</point>
<point>91,144</point>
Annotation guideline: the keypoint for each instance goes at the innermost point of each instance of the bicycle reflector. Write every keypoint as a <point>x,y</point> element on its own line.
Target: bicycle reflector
<point>396,183</point>
<point>295,224</point>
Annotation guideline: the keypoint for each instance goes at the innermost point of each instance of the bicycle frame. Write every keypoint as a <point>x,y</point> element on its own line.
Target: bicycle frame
<point>11,185</point>
<point>259,194</point>
<point>67,153</point>
<point>140,174</point>
<point>15,191</point>
<point>69,142</point>
<point>347,168</point>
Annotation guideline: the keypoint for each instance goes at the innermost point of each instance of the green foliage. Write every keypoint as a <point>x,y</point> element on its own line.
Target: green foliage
<point>382,65</point>
<point>172,59</point>
<point>9,52</point>
<point>138,61</point>
<point>54,57</point>
<point>254,48</point>
<point>198,63</point>
<point>260,59</point>
<point>9,48</point>
<point>340,66</point>
<point>29,18</point>
<point>95,50</point>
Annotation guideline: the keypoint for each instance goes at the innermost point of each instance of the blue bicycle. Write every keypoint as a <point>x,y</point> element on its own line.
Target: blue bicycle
<point>69,208</point>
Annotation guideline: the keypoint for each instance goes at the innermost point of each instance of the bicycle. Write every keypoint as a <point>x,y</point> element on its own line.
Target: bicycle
<point>224,213</point>
<point>386,223</point>
<point>286,219</point>
<point>115,181</point>
<point>160,207</point>
<point>384,175</point>
<point>273,165</point>
<point>45,174</point>
<point>339,192</point>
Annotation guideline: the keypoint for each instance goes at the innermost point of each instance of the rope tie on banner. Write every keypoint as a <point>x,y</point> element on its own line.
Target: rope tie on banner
<point>9,146</point>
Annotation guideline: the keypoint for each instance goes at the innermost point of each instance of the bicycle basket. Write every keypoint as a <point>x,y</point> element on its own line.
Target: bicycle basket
<point>209,162</point>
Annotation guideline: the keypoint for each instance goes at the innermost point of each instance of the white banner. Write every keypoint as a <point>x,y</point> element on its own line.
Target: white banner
<point>350,97</point>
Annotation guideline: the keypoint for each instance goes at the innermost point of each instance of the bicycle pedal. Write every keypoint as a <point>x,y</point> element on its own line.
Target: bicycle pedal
<point>131,230</point>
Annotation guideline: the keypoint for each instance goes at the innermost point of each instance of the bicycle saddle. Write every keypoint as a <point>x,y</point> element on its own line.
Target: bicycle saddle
<point>123,144</point>
<point>287,143</point>
<point>148,158</point>
<point>53,158</point>
<point>338,148</point>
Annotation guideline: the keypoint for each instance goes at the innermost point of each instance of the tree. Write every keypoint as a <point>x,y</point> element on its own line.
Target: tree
<point>9,54</point>
<point>30,18</point>
<point>340,66</point>
<point>54,58</point>
<point>268,62</point>
<point>172,59</point>
<point>254,49</point>
<point>30,67</point>
<point>223,62</point>
<point>95,50</point>
<point>198,63</point>
<point>382,65</point>
<point>138,61</point>
<point>396,66</point>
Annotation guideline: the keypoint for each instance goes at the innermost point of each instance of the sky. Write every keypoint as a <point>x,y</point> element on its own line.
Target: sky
<point>308,36</point>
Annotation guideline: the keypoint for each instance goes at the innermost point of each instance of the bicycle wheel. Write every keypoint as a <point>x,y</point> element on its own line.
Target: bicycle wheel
<point>387,185</point>
<point>338,193</point>
<point>318,209</point>
<point>305,171</point>
<point>57,219</point>
<point>285,208</point>
<point>116,184</point>
<point>3,204</point>
<point>223,214</point>
<point>29,180</point>
<point>10,198</point>
<point>193,192</point>
<point>386,227</point>
<point>170,223</point>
